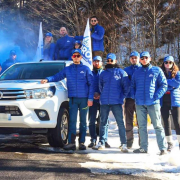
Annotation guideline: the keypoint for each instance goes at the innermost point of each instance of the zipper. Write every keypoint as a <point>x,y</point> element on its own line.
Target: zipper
<point>144,85</point>
<point>76,81</point>
<point>109,87</point>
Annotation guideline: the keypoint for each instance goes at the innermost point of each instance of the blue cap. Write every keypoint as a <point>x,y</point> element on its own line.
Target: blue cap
<point>145,53</point>
<point>12,52</point>
<point>49,34</point>
<point>77,51</point>
<point>97,58</point>
<point>169,58</point>
<point>134,53</point>
<point>77,42</point>
<point>111,56</point>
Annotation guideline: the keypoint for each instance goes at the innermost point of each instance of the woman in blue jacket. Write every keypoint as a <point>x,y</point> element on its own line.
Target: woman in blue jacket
<point>171,99</point>
<point>49,47</point>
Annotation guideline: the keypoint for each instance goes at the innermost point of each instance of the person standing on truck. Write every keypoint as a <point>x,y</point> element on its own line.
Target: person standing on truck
<point>49,47</point>
<point>80,92</point>
<point>9,62</point>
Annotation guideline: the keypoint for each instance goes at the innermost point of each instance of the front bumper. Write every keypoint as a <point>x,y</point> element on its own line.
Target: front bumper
<point>29,118</point>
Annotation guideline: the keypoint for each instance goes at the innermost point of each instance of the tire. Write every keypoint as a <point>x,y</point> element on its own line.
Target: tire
<point>57,137</point>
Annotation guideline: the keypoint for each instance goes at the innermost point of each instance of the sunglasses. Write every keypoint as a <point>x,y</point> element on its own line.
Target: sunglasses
<point>93,20</point>
<point>144,58</point>
<point>109,60</point>
<point>168,62</point>
<point>74,56</point>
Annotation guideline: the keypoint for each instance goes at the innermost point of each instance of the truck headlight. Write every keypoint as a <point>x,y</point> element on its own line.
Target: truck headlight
<point>40,93</point>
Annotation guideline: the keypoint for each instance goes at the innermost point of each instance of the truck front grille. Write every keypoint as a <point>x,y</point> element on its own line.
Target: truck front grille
<point>13,110</point>
<point>12,94</point>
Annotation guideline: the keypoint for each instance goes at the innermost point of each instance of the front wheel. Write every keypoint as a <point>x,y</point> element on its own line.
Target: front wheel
<point>58,136</point>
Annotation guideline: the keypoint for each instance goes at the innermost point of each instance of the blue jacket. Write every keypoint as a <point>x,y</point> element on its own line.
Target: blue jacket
<point>79,80</point>
<point>148,85</point>
<point>97,38</point>
<point>130,71</point>
<point>114,86</point>
<point>96,74</point>
<point>48,54</point>
<point>64,47</point>
<point>7,64</point>
<point>174,88</point>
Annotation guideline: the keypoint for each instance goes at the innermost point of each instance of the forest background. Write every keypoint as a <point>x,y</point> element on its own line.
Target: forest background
<point>152,25</point>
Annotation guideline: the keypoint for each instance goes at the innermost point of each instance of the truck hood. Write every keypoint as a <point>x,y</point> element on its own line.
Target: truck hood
<point>26,84</point>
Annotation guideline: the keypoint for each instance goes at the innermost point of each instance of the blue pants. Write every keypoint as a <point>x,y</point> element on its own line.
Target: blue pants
<point>92,122</point>
<point>118,114</point>
<point>76,104</point>
<point>155,115</point>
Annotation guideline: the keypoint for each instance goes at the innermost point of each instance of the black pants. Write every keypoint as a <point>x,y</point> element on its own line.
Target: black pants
<point>175,111</point>
<point>129,116</point>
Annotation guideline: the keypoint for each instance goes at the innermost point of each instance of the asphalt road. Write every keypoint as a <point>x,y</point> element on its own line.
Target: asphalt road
<point>24,158</point>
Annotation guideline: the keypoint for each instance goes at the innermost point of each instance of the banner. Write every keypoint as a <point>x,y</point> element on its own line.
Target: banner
<point>86,47</point>
<point>39,52</point>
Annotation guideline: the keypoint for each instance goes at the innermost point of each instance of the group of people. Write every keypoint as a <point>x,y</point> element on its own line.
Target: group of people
<point>64,46</point>
<point>145,89</point>
<point>141,87</point>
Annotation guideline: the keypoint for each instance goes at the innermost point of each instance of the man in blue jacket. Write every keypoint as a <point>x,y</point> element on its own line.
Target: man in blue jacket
<point>80,92</point>
<point>130,103</point>
<point>9,62</point>
<point>148,85</point>
<point>114,87</point>
<point>97,37</point>
<point>97,70</point>
<point>64,45</point>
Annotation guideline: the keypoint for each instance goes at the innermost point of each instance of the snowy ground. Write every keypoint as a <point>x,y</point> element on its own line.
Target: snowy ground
<point>152,165</point>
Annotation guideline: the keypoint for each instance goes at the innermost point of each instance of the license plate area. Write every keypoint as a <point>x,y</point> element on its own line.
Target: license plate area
<point>6,117</point>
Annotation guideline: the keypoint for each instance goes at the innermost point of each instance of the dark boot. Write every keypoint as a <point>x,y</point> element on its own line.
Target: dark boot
<point>170,146</point>
<point>82,146</point>
<point>107,145</point>
<point>129,144</point>
<point>70,146</point>
<point>92,144</point>
<point>163,152</point>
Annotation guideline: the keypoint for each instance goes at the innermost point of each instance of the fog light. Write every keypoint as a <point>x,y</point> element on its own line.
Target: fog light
<point>42,114</point>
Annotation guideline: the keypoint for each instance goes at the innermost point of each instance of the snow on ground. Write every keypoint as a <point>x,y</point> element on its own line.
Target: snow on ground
<point>151,165</point>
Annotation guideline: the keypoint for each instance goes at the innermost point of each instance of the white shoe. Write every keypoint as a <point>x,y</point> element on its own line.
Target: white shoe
<point>124,148</point>
<point>99,146</point>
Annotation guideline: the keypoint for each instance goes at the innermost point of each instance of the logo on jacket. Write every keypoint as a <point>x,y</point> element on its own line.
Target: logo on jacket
<point>151,75</point>
<point>117,77</point>
<point>82,72</point>
<point>68,41</point>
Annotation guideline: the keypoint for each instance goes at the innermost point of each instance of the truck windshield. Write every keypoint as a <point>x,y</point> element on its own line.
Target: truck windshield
<point>32,71</point>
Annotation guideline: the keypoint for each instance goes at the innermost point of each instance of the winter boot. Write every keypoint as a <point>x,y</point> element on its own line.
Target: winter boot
<point>70,146</point>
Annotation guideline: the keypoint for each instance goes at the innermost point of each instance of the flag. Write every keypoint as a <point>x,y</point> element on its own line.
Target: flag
<point>39,52</point>
<point>86,47</point>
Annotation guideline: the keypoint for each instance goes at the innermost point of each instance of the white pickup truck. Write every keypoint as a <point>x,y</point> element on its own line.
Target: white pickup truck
<point>26,103</point>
